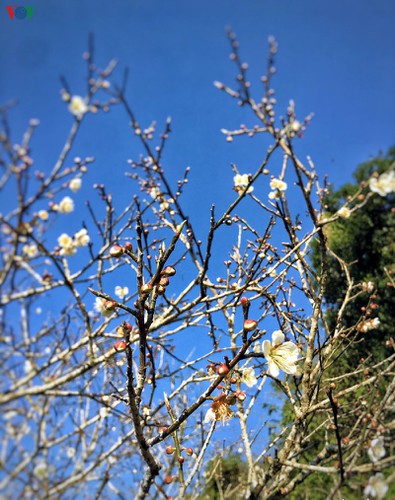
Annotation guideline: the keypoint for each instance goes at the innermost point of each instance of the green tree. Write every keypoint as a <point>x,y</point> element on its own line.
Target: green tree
<point>366,242</point>
<point>225,478</point>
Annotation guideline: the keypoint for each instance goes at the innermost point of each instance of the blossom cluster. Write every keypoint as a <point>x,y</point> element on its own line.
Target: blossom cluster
<point>68,245</point>
<point>370,324</point>
<point>65,206</point>
<point>278,186</point>
<point>240,182</point>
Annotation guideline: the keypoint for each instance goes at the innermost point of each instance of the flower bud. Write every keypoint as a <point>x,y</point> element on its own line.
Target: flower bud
<point>164,281</point>
<point>168,271</point>
<point>222,369</point>
<point>116,251</point>
<point>120,346</point>
<point>189,452</point>
<point>168,479</point>
<point>244,301</point>
<point>146,288</point>
<point>160,290</point>
<point>250,325</point>
<point>181,460</point>
<point>170,450</point>
<point>109,305</point>
<point>241,396</point>
<point>128,245</point>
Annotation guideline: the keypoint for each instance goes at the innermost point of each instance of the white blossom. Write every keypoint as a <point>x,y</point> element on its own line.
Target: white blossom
<point>75,184</point>
<point>121,291</point>
<point>376,450</point>
<point>30,250</point>
<point>43,215</point>
<point>344,212</point>
<point>78,106</point>
<point>368,286</point>
<point>81,238</point>
<point>248,377</point>
<point>98,306</point>
<point>41,470</point>
<point>66,244</point>
<point>295,126</point>
<point>281,355</point>
<point>210,416</point>
<point>376,487</point>
<point>154,192</point>
<point>241,182</point>
<point>383,184</point>
<point>274,195</point>
<point>278,184</point>
<point>370,324</point>
<point>65,206</point>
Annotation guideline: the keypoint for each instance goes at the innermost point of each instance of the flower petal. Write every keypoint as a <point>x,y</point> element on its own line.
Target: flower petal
<point>266,348</point>
<point>277,337</point>
<point>273,369</point>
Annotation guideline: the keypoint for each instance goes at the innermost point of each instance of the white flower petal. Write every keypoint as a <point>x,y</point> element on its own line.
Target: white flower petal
<point>273,369</point>
<point>278,337</point>
<point>266,348</point>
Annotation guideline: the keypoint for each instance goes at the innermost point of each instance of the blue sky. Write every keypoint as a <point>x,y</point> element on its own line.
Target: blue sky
<point>335,59</point>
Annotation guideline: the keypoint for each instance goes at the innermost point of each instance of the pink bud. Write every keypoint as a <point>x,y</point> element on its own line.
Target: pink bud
<point>250,325</point>
<point>222,369</point>
<point>164,281</point>
<point>160,290</point>
<point>241,396</point>
<point>109,305</point>
<point>189,452</point>
<point>146,288</point>
<point>168,479</point>
<point>168,271</point>
<point>120,345</point>
<point>116,251</point>
<point>244,301</point>
<point>170,450</point>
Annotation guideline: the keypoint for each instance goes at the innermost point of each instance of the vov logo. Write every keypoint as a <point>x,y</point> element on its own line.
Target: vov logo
<point>21,12</point>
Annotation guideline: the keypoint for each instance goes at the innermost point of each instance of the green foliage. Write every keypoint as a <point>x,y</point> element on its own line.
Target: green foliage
<point>366,242</point>
<point>225,478</point>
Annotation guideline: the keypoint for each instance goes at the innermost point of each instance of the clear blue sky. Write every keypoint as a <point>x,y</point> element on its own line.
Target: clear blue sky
<point>335,59</point>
